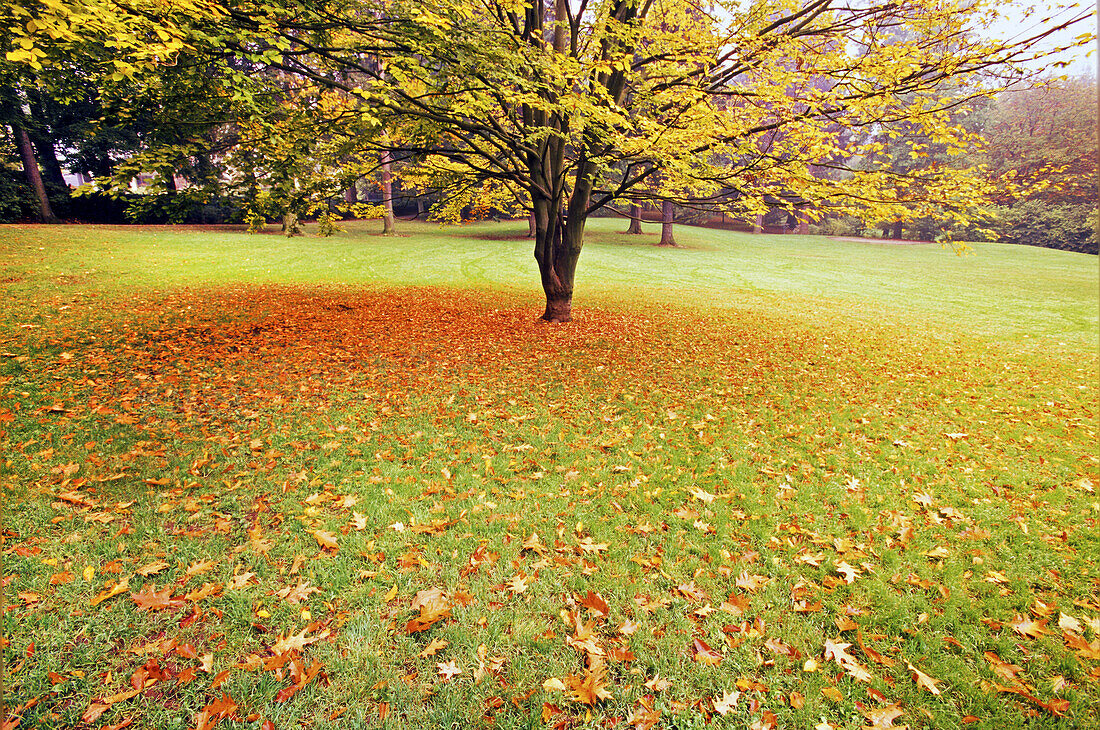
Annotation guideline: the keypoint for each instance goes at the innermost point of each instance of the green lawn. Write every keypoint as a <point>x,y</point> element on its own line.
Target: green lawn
<point>760,481</point>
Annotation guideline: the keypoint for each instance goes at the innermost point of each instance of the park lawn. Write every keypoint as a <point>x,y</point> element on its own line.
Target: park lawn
<point>354,481</point>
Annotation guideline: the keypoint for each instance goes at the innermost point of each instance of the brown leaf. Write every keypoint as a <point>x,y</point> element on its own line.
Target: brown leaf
<point>881,717</point>
<point>148,599</point>
<point>152,568</point>
<point>595,603</point>
<point>94,711</point>
<point>434,646</point>
<point>1029,628</point>
<point>448,670</point>
<point>326,540</point>
<point>923,680</point>
<point>726,703</point>
<point>703,654</point>
<point>112,590</point>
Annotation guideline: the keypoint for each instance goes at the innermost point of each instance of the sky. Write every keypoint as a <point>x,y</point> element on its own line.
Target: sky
<point>1016,23</point>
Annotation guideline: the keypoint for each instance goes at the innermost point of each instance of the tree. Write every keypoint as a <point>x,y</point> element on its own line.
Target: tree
<point>572,106</point>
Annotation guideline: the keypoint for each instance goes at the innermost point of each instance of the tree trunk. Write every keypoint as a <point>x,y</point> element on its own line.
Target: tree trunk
<point>34,176</point>
<point>170,183</point>
<point>389,227</point>
<point>351,195</point>
<point>290,224</point>
<point>635,219</point>
<point>666,224</point>
<point>803,223</point>
<point>558,239</point>
<point>531,229</point>
<point>758,224</point>
<point>897,230</point>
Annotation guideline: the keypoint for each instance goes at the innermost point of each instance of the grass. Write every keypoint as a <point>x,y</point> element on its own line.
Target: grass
<point>762,444</point>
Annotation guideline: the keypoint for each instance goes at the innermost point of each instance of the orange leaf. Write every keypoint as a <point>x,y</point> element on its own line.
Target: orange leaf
<point>704,654</point>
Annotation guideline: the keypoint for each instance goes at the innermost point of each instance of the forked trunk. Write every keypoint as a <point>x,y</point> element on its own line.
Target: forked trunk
<point>666,224</point>
<point>635,219</point>
<point>558,237</point>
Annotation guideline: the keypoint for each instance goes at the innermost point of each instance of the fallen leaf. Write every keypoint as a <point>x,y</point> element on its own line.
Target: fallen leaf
<point>434,646</point>
<point>726,703</point>
<point>1029,628</point>
<point>881,717</point>
<point>111,591</point>
<point>326,540</point>
<point>152,568</point>
<point>448,670</point>
<point>923,680</point>
<point>703,654</point>
<point>148,599</point>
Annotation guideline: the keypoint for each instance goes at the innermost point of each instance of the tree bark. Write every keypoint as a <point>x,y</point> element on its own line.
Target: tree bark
<point>290,224</point>
<point>531,229</point>
<point>34,175</point>
<point>666,224</point>
<point>389,227</point>
<point>897,230</point>
<point>635,219</point>
<point>558,239</point>
<point>758,224</point>
<point>351,195</point>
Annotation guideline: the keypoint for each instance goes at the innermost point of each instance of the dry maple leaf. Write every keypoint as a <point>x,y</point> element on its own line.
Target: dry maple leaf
<point>198,568</point>
<point>587,546</point>
<point>750,583</point>
<point>518,583</point>
<point>703,654</point>
<point>658,683</point>
<point>433,647</point>
<point>592,688</point>
<point>691,592</point>
<point>850,574</point>
<point>448,670</point>
<point>240,580</point>
<point>1029,628</point>
<point>595,603</point>
<point>1001,668</point>
<point>152,568</point>
<point>207,590</point>
<point>1069,623</point>
<point>534,545</point>
<point>296,594</point>
<point>923,680</point>
<point>149,600</point>
<point>837,651</point>
<point>112,590</point>
<point>358,521</point>
<point>326,540</point>
<point>726,703</point>
<point>297,641</point>
<point>881,717</point>
<point>554,685</point>
<point>702,495</point>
